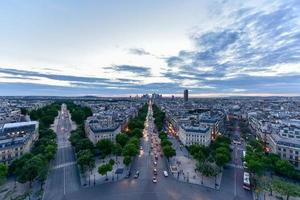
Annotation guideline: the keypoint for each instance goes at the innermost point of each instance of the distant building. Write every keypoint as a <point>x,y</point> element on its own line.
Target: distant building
<point>186,95</point>
<point>190,135</point>
<point>101,128</point>
<point>17,139</point>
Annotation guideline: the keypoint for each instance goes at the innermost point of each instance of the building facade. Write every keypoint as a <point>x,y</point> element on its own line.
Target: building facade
<point>17,139</point>
<point>190,135</point>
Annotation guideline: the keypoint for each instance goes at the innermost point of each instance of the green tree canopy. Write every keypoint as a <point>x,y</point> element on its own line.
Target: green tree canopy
<point>285,188</point>
<point>105,147</point>
<point>122,139</point>
<point>3,172</point>
<point>169,151</point>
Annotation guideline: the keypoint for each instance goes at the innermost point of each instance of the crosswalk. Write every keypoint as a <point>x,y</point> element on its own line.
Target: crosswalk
<point>64,165</point>
<point>235,166</point>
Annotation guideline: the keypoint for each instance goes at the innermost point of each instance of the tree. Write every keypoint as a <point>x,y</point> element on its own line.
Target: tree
<point>82,144</point>
<point>105,147</point>
<point>122,139</point>
<point>263,183</point>
<point>169,151</point>
<point>127,160</point>
<point>165,142</point>
<point>285,188</point>
<point>284,167</point>
<point>32,169</point>
<point>111,162</point>
<point>85,160</point>
<point>135,141</point>
<point>222,159</point>
<point>130,150</point>
<point>24,111</point>
<point>207,169</point>
<point>3,173</point>
<point>255,166</point>
<point>103,169</point>
<point>137,132</point>
<point>117,149</point>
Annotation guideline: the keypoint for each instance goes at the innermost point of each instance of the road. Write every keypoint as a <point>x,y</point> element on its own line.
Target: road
<point>63,177</point>
<point>167,187</point>
<point>237,163</point>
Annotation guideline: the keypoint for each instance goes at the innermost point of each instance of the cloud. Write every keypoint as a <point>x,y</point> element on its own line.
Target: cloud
<point>253,52</point>
<point>138,51</point>
<point>251,49</point>
<point>137,70</point>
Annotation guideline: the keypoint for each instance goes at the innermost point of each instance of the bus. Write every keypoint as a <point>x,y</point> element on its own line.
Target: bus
<point>246,182</point>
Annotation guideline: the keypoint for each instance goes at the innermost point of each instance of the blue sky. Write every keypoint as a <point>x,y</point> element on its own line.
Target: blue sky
<point>125,47</point>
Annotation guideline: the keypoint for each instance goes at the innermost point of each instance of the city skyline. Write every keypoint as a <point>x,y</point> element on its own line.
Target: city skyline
<point>122,48</point>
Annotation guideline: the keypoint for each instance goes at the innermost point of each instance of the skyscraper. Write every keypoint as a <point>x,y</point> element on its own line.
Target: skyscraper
<point>186,95</point>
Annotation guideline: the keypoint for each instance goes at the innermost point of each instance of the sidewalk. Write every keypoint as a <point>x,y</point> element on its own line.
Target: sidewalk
<point>15,190</point>
<point>94,178</point>
<point>273,197</point>
<point>186,168</point>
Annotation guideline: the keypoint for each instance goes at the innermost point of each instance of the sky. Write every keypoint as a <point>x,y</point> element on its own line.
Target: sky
<point>128,47</point>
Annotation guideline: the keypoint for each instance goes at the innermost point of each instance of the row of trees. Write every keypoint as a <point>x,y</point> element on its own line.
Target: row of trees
<point>127,144</point>
<point>168,150</point>
<point>278,185</point>
<point>130,140</point>
<point>159,117</point>
<point>34,165</point>
<point>211,159</point>
<point>84,148</point>
<point>259,162</point>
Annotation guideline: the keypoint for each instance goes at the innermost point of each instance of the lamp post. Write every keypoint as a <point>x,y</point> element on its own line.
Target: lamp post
<point>94,179</point>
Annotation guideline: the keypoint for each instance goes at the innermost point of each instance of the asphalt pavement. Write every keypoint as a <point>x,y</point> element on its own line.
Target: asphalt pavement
<point>63,177</point>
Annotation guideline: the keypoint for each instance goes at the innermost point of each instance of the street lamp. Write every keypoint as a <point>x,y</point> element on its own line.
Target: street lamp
<point>94,179</point>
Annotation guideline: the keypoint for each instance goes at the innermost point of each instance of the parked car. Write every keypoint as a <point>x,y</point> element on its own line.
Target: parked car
<point>155,171</point>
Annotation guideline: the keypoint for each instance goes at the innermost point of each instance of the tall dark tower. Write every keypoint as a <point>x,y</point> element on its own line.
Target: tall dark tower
<point>186,95</point>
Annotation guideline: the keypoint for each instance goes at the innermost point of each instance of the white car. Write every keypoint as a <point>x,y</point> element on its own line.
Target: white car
<point>166,174</point>
<point>154,180</point>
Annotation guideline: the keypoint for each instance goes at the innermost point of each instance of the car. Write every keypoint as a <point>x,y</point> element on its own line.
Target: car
<point>155,163</point>
<point>141,148</point>
<point>155,171</point>
<point>156,157</point>
<point>137,173</point>
<point>154,180</point>
<point>166,174</point>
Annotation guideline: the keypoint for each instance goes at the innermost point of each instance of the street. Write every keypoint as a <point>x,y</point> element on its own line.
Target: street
<point>166,188</point>
<point>63,177</point>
